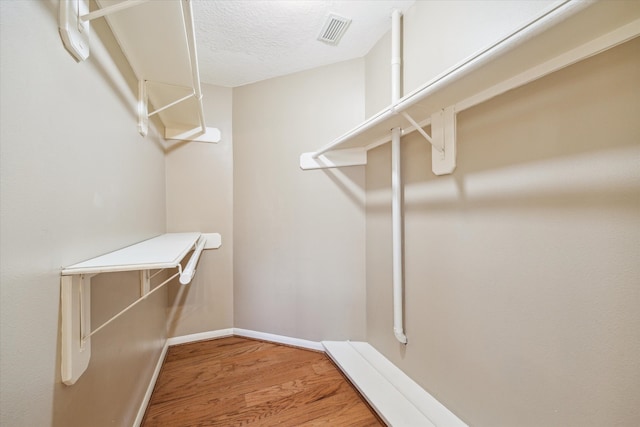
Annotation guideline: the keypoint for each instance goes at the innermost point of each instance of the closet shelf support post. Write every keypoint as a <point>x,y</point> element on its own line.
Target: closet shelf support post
<point>397,237</point>
<point>396,183</point>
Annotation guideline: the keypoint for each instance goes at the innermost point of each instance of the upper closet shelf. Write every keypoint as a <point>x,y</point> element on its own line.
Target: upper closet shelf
<point>570,32</point>
<point>158,40</point>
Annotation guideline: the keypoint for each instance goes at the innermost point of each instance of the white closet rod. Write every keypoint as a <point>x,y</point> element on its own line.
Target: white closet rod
<point>190,269</point>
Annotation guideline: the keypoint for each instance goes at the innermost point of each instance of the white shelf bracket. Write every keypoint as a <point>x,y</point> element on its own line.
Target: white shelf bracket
<point>438,145</point>
<point>443,131</point>
<point>75,300</point>
<point>73,30</point>
<point>75,27</point>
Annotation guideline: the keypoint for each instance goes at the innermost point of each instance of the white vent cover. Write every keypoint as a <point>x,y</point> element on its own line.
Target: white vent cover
<point>333,29</point>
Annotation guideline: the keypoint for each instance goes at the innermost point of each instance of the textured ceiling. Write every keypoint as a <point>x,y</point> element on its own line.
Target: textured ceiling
<point>245,41</point>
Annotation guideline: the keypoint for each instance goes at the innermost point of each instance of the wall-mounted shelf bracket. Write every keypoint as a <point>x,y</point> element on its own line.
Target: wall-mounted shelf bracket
<point>75,307</point>
<point>75,26</point>
<point>436,144</point>
<point>442,139</point>
<point>443,132</point>
<point>73,30</point>
<point>160,253</point>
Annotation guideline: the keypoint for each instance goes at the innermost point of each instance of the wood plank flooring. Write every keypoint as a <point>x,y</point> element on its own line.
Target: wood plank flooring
<point>238,381</point>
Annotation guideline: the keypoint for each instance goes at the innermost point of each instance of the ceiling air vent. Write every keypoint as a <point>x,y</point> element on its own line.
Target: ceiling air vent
<point>333,29</point>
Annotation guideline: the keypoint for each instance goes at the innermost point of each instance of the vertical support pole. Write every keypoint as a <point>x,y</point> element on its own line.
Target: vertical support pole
<point>396,220</point>
<point>396,182</point>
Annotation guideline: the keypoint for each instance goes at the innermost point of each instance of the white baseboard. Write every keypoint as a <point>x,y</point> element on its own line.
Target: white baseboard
<point>150,387</point>
<point>399,400</point>
<point>280,339</point>
<point>220,333</point>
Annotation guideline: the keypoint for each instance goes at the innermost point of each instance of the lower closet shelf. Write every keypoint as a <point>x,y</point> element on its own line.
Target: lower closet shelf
<point>159,253</point>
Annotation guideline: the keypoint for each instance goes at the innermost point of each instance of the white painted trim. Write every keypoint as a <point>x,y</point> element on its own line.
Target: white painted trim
<point>150,387</point>
<point>421,399</point>
<point>296,342</point>
<point>395,397</point>
<point>220,333</point>
<point>389,403</point>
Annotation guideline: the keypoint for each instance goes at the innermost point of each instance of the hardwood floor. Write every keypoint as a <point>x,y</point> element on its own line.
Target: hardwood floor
<point>238,381</point>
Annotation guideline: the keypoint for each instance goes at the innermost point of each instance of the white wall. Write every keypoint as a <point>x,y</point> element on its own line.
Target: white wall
<point>441,34</point>
<point>299,235</point>
<point>200,198</point>
<point>76,181</point>
<point>522,267</point>
<point>438,35</point>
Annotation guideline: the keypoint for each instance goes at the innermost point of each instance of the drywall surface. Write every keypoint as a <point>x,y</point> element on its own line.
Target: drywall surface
<point>299,235</point>
<point>200,198</point>
<point>76,181</point>
<point>522,268</point>
<point>439,35</point>
<point>378,76</point>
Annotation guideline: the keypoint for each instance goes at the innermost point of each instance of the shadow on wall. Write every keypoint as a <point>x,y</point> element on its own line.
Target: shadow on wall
<point>346,179</point>
<point>530,146</point>
<point>116,362</point>
<point>102,36</point>
<point>521,267</point>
